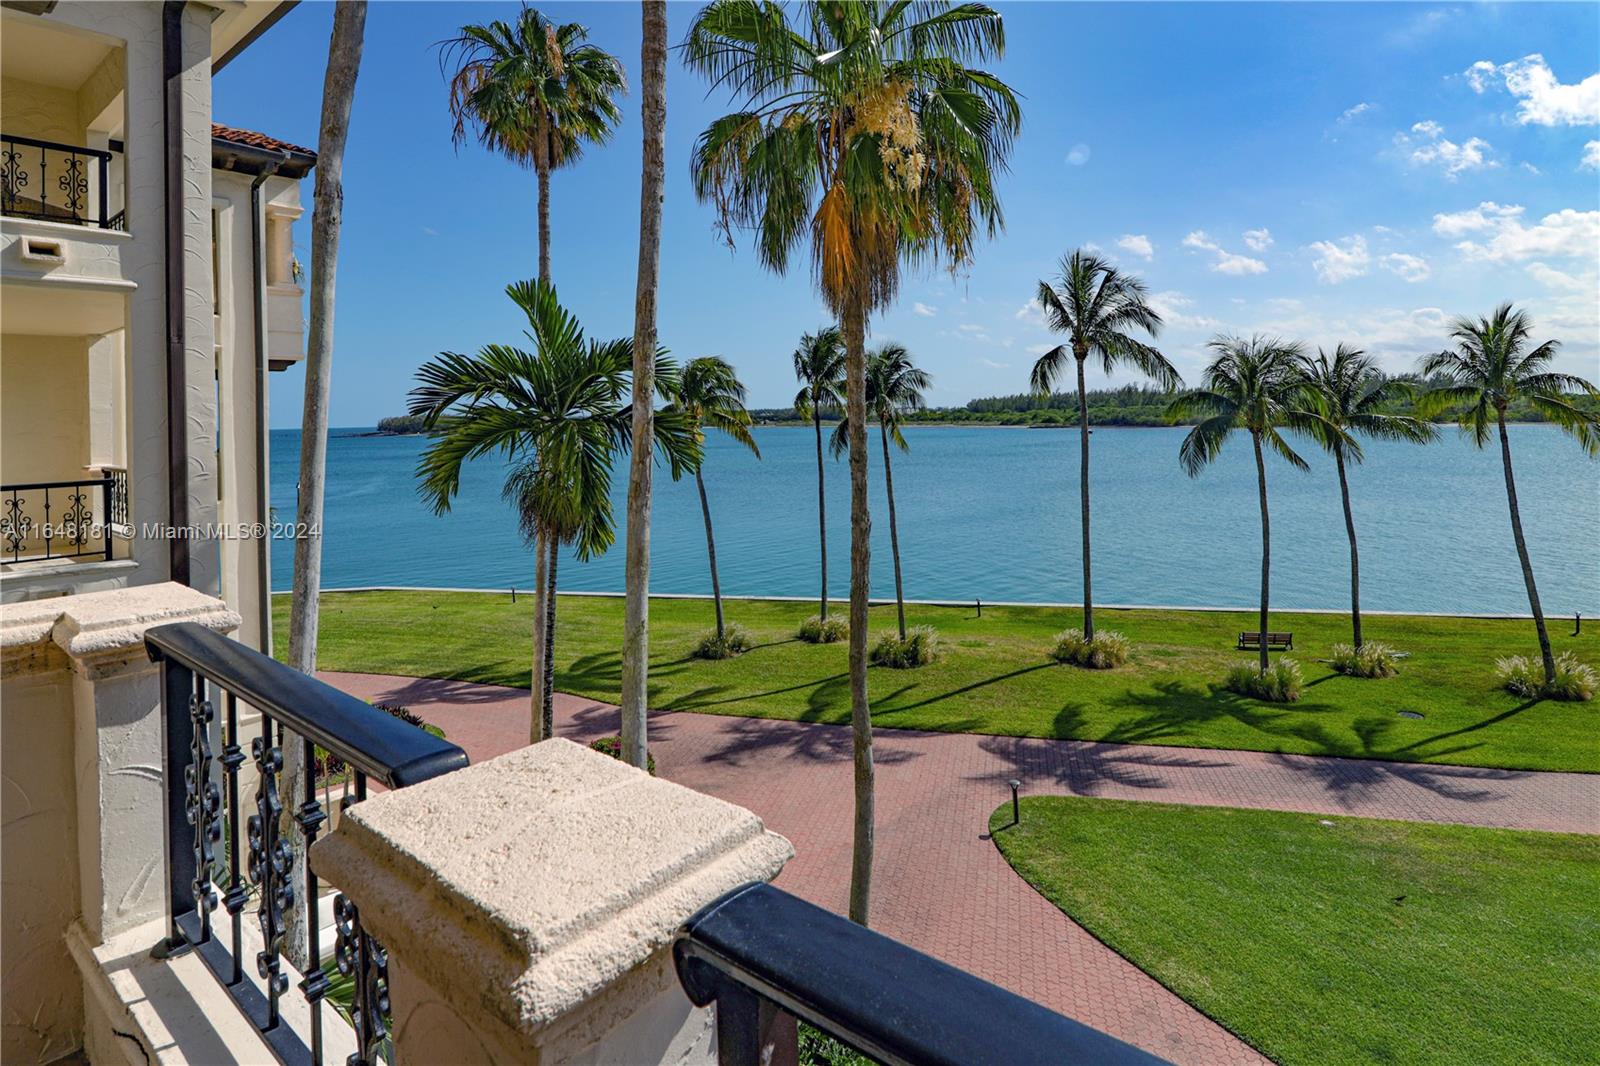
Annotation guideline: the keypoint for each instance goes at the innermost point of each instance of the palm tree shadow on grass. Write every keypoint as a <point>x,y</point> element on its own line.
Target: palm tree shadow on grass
<point>1172,709</point>
<point>808,741</point>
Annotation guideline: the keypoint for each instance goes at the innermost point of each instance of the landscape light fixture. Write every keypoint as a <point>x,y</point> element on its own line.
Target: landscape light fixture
<point>1016,811</point>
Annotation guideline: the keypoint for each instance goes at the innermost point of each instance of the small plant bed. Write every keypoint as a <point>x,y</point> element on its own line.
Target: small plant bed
<point>735,640</point>
<point>1523,676</point>
<point>1371,660</point>
<point>819,1049</point>
<point>919,648</point>
<point>1104,652</point>
<point>1282,683</point>
<point>817,630</point>
<point>1335,940</point>
<point>612,746</point>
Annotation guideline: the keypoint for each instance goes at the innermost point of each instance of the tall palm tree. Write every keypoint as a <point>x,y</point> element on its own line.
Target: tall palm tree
<point>864,131</point>
<point>819,367</point>
<point>1488,369</point>
<point>894,387</point>
<point>345,44</point>
<point>535,92</point>
<point>1355,398</point>
<point>1256,385</point>
<point>561,413</point>
<point>1097,306</point>
<point>710,396</point>
<point>636,587</point>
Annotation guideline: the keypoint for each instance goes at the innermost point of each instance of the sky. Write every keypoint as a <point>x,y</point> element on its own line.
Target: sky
<point>1323,172</point>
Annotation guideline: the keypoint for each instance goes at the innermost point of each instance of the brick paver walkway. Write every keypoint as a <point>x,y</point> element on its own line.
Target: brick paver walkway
<point>939,884</point>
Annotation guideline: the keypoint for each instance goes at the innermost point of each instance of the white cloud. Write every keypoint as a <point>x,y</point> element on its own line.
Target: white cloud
<point>1137,243</point>
<point>1032,313</point>
<point>1530,168</point>
<point>1341,260</point>
<point>1040,349</point>
<point>1435,148</point>
<point>992,365</point>
<point>1591,156</point>
<point>1412,268</point>
<point>430,231</point>
<point>924,310</point>
<point>1565,233</point>
<point>1226,262</point>
<point>1541,99</point>
<point>1078,155</point>
<point>973,328</point>
<point>1352,113</point>
<point>1259,240</point>
<point>1570,311</point>
<point>1551,278</point>
<point>1172,305</point>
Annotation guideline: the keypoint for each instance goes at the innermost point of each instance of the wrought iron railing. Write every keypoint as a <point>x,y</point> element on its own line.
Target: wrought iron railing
<point>295,709</point>
<point>765,958</point>
<point>62,519</point>
<point>51,181</point>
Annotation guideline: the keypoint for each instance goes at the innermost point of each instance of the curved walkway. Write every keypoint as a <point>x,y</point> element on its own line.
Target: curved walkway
<point>939,884</point>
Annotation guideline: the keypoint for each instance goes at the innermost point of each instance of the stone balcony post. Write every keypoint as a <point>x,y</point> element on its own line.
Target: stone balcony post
<point>528,906</point>
<point>84,806</point>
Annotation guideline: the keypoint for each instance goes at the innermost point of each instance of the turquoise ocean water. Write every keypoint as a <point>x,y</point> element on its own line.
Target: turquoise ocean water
<point>993,513</point>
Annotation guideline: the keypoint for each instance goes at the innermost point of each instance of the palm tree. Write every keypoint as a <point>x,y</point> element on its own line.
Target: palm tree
<point>1354,399</point>
<point>338,98</point>
<point>894,387</point>
<point>865,132</point>
<point>819,367</point>
<point>534,92</point>
<point>1096,305</point>
<point>636,586</point>
<point>561,413</point>
<point>1490,368</point>
<point>710,395</point>
<point>1255,385</point>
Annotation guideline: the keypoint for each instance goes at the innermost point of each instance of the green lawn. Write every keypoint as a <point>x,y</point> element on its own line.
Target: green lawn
<point>1352,942</point>
<point>995,676</point>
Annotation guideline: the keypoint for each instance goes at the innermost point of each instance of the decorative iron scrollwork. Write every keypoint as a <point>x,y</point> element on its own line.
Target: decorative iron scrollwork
<point>202,802</point>
<point>15,524</point>
<point>271,862</point>
<point>16,179</point>
<point>359,956</point>
<point>75,183</point>
<point>78,521</point>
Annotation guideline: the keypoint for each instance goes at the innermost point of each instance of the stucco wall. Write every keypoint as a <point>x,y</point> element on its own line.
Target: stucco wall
<point>44,404</point>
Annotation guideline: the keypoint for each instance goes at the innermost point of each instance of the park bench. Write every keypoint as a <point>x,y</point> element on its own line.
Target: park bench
<point>1275,642</point>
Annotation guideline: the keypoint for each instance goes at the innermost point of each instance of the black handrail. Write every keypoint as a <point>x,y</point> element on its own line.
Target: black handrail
<point>25,191</point>
<point>29,534</point>
<point>295,709</point>
<point>375,743</point>
<point>891,1002</point>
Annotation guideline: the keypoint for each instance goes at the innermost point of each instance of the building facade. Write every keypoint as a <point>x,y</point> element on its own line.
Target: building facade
<point>148,286</point>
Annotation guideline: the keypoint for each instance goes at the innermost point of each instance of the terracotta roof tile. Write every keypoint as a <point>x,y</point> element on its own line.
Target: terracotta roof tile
<point>256,140</point>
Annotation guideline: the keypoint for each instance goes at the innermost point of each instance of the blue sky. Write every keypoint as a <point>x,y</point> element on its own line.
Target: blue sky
<point>1328,172</point>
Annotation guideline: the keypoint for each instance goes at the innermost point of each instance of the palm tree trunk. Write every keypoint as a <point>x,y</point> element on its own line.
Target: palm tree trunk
<point>1266,545</point>
<point>855,342</point>
<point>338,94</point>
<point>1355,559</point>
<point>547,685</point>
<point>822,509</point>
<point>636,620</point>
<point>544,220</point>
<point>711,550</point>
<point>894,533</point>
<point>1545,654</point>
<point>1083,496</point>
<point>541,578</point>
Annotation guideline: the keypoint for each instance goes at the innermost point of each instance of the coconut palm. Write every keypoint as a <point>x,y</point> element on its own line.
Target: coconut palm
<point>1355,399</point>
<point>710,396</point>
<point>1256,385</point>
<point>1489,368</point>
<point>865,133</point>
<point>819,367</point>
<point>1098,307</point>
<point>535,92</point>
<point>561,413</point>
<point>894,387</point>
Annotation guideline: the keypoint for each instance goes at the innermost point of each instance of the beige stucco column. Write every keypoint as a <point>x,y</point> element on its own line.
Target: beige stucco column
<point>81,753</point>
<point>528,906</point>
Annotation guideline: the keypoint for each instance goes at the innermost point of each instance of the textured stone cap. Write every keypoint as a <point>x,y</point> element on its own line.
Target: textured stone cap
<point>102,626</point>
<point>532,881</point>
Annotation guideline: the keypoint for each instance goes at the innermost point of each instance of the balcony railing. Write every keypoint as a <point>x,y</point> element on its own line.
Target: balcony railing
<point>765,957</point>
<point>57,182</point>
<point>43,520</point>
<point>200,666</point>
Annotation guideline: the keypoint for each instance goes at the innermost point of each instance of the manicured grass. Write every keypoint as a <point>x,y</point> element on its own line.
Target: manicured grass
<point>994,674</point>
<point>1357,941</point>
